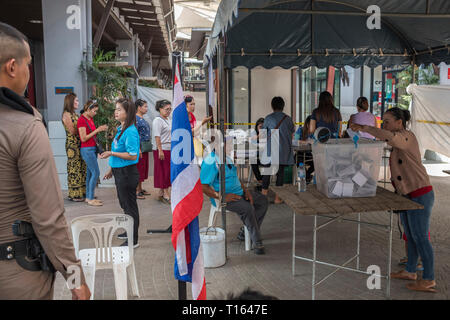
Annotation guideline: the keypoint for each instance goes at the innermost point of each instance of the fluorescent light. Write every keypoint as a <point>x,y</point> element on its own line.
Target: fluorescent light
<point>36,21</point>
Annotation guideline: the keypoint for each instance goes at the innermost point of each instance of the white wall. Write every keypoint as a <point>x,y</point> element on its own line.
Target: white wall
<point>266,84</point>
<point>444,78</point>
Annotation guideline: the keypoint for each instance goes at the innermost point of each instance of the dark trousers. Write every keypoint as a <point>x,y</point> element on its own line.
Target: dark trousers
<point>251,215</point>
<point>256,172</point>
<point>280,178</point>
<point>127,180</point>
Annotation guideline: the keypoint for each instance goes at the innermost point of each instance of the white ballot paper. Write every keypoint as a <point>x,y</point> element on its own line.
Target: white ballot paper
<point>347,189</point>
<point>359,179</point>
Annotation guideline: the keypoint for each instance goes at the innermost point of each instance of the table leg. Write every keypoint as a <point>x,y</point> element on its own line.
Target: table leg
<point>359,240</point>
<point>388,286</point>
<point>314,259</point>
<point>293,244</point>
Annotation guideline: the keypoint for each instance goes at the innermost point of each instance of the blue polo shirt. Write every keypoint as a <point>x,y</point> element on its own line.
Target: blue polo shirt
<point>128,142</point>
<point>209,174</point>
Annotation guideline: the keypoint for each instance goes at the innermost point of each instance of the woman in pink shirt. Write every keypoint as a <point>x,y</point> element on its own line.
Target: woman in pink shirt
<point>363,117</point>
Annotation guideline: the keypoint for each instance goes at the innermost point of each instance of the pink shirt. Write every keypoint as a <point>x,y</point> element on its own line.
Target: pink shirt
<point>364,118</point>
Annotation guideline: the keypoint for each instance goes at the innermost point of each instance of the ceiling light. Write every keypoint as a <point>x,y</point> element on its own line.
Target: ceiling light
<point>36,21</point>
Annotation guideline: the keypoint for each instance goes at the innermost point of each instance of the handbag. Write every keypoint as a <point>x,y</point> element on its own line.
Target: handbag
<point>146,146</point>
<point>99,147</point>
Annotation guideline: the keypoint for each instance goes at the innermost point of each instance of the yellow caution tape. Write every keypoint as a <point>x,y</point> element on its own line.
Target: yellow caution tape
<point>434,122</point>
<point>252,124</point>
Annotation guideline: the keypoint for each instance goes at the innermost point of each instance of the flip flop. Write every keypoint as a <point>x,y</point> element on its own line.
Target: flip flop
<point>417,286</point>
<point>402,276</point>
<point>146,193</point>
<point>140,195</point>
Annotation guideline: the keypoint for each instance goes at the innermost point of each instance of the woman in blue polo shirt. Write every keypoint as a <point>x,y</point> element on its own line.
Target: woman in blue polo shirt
<point>124,156</point>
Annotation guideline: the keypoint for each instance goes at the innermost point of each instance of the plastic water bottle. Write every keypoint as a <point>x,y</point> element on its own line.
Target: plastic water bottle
<point>301,178</point>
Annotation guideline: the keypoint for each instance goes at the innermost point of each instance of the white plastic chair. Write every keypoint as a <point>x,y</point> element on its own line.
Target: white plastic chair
<point>104,256</point>
<point>212,214</point>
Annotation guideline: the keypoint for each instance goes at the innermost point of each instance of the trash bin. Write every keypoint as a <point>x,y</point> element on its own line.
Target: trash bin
<point>344,169</point>
<point>288,174</point>
<point>213,243</point>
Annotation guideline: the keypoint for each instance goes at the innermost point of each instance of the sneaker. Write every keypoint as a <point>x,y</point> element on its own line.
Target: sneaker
<point>259,248</point>
<point>125,244</point>
<point>122,236</point>
<point>241,234</point>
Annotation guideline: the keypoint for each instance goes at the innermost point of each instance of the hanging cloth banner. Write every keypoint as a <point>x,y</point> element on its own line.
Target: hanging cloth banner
<point>430,117</point>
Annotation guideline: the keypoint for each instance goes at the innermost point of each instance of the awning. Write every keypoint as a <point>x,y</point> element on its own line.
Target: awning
<point>321,33</point>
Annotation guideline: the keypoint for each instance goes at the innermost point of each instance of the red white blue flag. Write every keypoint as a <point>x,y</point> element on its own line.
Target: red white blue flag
<point>187,198</point>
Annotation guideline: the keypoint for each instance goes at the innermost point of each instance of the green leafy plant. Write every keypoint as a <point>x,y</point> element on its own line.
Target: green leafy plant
<point>423,76</point>
<point>108,84</point>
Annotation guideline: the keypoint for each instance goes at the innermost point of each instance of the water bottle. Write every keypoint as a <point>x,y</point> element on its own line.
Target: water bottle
<point>301,178</point>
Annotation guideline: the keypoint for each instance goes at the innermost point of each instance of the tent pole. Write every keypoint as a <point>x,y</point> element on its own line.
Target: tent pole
<point>222,152</point>
<point>206,69</point>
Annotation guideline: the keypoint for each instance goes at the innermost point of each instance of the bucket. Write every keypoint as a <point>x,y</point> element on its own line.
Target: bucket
<point>213,243</point>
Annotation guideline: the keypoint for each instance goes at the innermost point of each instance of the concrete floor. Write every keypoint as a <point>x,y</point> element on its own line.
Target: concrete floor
<point>271,273</point>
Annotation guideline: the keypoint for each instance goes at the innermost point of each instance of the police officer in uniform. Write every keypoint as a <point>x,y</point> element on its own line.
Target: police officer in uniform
<point>35,240</point>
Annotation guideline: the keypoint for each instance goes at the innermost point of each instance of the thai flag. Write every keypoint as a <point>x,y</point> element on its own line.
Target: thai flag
<point>187,200</point>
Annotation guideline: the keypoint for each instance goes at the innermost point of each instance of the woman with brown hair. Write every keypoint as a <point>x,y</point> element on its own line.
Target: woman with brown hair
<point>76,167</point>
<point>410,179</point>
<point>124,157</point>
<point>88,135</point>
<point>326,115</point>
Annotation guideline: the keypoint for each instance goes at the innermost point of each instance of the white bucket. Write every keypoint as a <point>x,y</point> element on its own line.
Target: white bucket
<point>213,243</point>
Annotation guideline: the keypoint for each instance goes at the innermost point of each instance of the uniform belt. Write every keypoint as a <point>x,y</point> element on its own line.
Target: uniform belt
<point>10,250</point>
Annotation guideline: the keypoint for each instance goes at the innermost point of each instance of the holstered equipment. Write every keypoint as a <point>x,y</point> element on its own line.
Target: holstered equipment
<point>28,252</point>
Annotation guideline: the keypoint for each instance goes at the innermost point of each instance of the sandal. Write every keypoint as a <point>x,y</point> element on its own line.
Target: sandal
<point>145,192</point>
<point>140,195</point>
<point>403,275</point>
<point>76,199</point>
<point>94,203</point>
<point>422,285</point>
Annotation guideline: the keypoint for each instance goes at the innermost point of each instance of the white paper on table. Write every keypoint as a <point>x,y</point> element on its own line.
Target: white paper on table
<point>347,189</point>
<point>337,190</point>
<point>360,179</point>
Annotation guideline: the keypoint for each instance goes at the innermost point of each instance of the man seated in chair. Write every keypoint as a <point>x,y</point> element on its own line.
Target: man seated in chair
<point>250,206</point>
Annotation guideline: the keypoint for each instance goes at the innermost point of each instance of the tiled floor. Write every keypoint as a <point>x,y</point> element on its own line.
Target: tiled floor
<point>272,273</point>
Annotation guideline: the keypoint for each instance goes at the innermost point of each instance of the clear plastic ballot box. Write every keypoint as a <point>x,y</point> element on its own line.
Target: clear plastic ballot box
<point>346,169</point>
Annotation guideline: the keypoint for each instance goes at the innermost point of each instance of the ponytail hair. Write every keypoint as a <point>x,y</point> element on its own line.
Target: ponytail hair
<point>362,103</point>
<point>130,109</point>
<point>400,114</point>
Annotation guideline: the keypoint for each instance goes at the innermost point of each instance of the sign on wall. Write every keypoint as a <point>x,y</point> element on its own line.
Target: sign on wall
<point>64,90</point>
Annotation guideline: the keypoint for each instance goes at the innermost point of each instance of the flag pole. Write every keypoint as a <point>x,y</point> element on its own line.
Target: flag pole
<point>182,290</point>
<point>221,112</point>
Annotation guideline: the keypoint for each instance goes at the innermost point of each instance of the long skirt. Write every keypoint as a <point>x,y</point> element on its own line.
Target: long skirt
<point>76,172</point>
<point>142,167</point>
<point>161,170</point>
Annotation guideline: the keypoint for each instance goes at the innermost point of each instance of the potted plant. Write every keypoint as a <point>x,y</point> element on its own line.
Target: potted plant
<point>108,83</point>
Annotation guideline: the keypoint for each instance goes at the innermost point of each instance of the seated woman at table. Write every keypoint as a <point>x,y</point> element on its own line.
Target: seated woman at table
<point>305,156</point>
<point>363,117</point>
<point>326,115</point>
<point>410,179</point>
